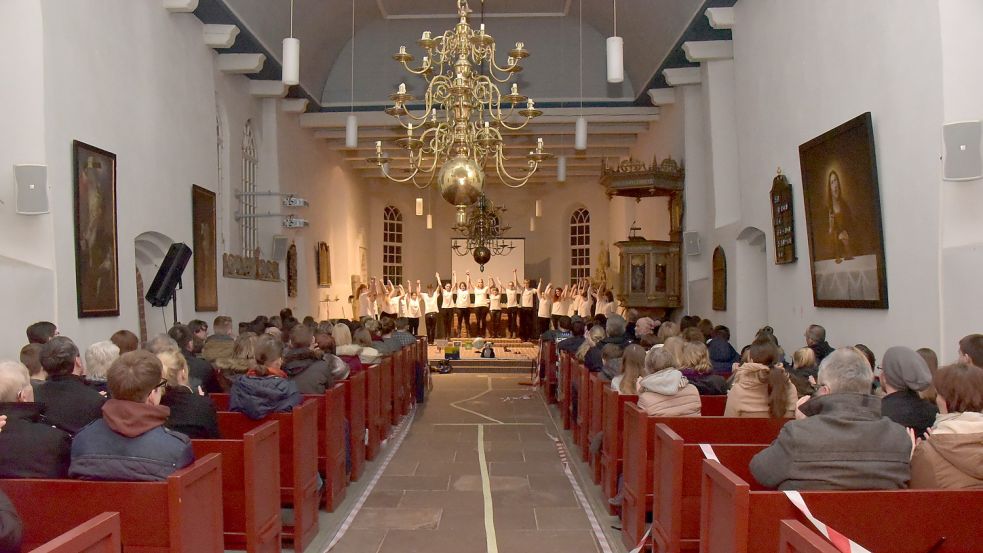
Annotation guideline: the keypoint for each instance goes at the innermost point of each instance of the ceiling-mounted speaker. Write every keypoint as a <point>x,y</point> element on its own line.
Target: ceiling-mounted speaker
<point>691,242</point>
<point>31,189</point>
<point>280,245</point>
<point>963,156</point>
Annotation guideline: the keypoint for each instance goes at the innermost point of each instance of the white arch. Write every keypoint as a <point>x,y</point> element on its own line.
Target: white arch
<point>750,283</point>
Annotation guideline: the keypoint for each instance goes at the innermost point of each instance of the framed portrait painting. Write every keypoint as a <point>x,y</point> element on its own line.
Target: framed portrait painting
<point>96,246</point>
<point>843,217</point>
<point>204,244</point>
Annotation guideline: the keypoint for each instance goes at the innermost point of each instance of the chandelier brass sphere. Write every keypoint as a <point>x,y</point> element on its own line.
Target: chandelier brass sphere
<point>461,181</point>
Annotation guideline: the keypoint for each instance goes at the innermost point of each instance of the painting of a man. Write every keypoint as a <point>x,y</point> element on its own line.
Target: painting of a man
<point>95,232</point>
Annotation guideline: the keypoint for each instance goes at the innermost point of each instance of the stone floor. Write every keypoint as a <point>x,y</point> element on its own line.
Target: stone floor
<point>432,498</point>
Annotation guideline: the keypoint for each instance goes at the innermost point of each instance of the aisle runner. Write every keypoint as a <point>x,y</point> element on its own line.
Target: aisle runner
<point>403,429</point>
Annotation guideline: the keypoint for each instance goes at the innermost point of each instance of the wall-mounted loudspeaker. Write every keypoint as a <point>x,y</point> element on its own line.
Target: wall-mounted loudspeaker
<point>691,242</point>
<point>963,156</point>
<point>280,245</point>
<point>169,275</point>
<point>31,189</point>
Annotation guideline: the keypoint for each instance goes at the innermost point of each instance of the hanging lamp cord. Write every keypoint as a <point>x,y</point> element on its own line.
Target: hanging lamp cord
<point>291,18</point>
<point>581,15</point>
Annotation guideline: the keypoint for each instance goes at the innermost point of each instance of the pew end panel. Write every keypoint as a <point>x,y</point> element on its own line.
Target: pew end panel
<point>355,409</point>
<point>639,433</point>
<point>298,471</point>
<point>565,400</point>
<point>795,537</point>
<point>100,534</point>
<point>612,453</point>
<point>597,386</point>
<point>373,387</point>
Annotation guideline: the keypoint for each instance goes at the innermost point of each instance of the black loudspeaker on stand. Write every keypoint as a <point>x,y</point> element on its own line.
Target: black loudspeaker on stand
<point>168,280</point>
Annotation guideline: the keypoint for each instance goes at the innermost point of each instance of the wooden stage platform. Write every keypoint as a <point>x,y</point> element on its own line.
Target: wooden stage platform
<point>519,359</point>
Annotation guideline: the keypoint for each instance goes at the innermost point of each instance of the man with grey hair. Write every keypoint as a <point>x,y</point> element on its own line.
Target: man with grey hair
<point>98,358</point>
<point>160,344</point>
<point>29,448</point>
<point>841,441</point>
<point>68,403</point>
<point>615,327</point>
<point>816,341</point>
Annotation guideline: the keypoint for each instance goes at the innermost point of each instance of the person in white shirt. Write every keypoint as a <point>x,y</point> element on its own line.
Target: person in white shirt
<point>366,301</point>
<point>526,309</point>
<point>586,305</point>
<point>480,306</point>
<point>545,307</point>
<point>431,310</point>
<point>512,304</point>
<point>462,306</point>
<point>446,307</point>
<point>495,308</point>
<point>560,305</point>
<point>392,298</point>
<point>605,303</point>
<point>411,307</point>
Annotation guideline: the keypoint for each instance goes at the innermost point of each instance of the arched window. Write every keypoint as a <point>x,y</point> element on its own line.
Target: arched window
<point>392,245</point>
<point>579,245</point>
<point>719,280</point>
<point>247,200</point>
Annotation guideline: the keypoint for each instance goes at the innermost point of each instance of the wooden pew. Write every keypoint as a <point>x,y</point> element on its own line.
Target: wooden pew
<point>566,401</point>
<point>384,417</point>
<point>548,359</point>
<point>612,452</point>
<point>331,444</point>
<point>713,406</point>
<point>583,411</point>
<point>181,514</point>
<point>575,379</point>
<point>795,537</point>
<point>677,473</point>
<point>596,423</point>
<point>99,534</point>
<point>250,485</point>
<point>736,517</point>
<point>397,392</point>
<point>638,438</point>
<point>373,409</point>
<point>355,413</point>
<point>298,465</point>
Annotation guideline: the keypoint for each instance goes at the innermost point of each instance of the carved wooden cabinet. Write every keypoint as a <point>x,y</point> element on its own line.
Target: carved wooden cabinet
<point>651,275</point>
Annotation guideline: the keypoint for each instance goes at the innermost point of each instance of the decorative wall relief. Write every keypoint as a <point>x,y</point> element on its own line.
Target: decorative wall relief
<point>292,271</point>
<point>237,266</point>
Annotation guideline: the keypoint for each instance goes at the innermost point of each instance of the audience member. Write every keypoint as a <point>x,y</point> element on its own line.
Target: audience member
<point>688,321</point>
<point>594,336</point>
<point>932,360</point>
<point>842,442</point>
<point>674,345</point>
<point>66,400</point>
<point>665,392</point>
<point>631,321</point>
<point>692,335</point>
<point>561,332</point>
<point>694,363</point>
<point>576,339</point>
<point>265,388</point>
<point>30,357</point>
<point>130,441</point>
<point>344,349</point>
<point>645,327</point>
<point>706,327</point>
<point>220,344</point>
<point>723,356</point>
<point>632,370</point>
<point>325,348</point>
<point>804,371</point>
<point>303,366</point>
<point>191,414</point>
<point>615,335</point>
<point>667,330</point>
<point>29,448</point>
<point>288,325</point>
<point>202,373</point>
<point>816,339</point>
<point>362,347</point>
<point>41,332</point>
<point>761,388</point>
<point>98,358</point>
<point>11,528</point>
<point>952,454</point>
<point>905,374</point>
<point>402,337</point>
<point>241,361</point>
<point>125,340</point>
<point>610,362</point>
<point>971,350</point>
<point>159,343</point>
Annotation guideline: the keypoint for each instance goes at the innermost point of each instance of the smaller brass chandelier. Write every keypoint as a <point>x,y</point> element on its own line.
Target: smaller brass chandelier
<point>480,227</point>
<point>459,133</point>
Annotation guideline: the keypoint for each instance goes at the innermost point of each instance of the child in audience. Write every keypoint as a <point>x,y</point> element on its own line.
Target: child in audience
<point>665,392</point>
<point>130,441</point>
<point>761,388</point>
<point>952,454</point>
<point>29,448</point>
<point>694,363</point>
<point>804,371</point>
<point>264,389</point>
<point>191,414</point>
<point>904,374</point>
<point>632,370</point>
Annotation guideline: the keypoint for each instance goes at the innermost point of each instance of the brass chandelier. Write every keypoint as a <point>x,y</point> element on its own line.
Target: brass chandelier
<point>460,131</point>
<point>481,232</point>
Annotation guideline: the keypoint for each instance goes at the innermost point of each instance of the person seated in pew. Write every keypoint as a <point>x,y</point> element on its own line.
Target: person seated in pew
<point>904,373</point>
<point>402,336</point>
<point>971,350</point>
<point>615,330</point>
<point>11,527</point>
<point>804,371</point>
<point>220,344</point>
<point>98,358</point>
<point>761,388</point>
<point>576,339</point>
<point>191,414</point>
<point>362,348</point>
<point>815,337</point>
<point>41,332</point>
<point>665,392</point>
<point>30,357</point>
<point>130,441</point>
<point>342,336</point>
<point>29,447</point>
<point>66,401</point>
<point>932,360</point>
<point>560,333</point>
<point>694,363</point>
<point>265,388</point>
<point>632,370</point>
<point>243,360</point>
<point>594,336</point>
<point>841,441</point>
<point>723,356</point>
<point>611,358</point>
<point>324,347</point>
<point>125,340</point>
<point>303,366</point>
<point>202,372</point>
<point>951,456</point>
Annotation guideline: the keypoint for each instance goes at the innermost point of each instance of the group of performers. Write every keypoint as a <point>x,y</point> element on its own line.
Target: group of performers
<point>529,309</point>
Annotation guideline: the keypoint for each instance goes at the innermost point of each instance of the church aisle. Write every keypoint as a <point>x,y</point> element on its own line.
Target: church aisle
<point>432,496</point>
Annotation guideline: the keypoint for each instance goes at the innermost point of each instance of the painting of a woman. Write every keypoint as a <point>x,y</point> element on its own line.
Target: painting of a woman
<point>840,218</point>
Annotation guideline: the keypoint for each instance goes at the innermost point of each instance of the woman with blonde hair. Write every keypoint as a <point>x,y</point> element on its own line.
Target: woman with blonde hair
<point>191,414</point>
<point>665,392</point>
<point>694,363</point>
<point>804,371</point>
<point>344,350</point>
<point>242,361</point>
<point>674,345</point>
<point>667,330</point>
<point>594,337</point>
<point>632,370</point>
<point>361,348</point>
<point>761,388</point>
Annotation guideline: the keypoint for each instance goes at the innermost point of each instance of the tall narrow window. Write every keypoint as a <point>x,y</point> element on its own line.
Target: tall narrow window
<point>247,200</point>
<point>579,245</point>
<point>392,245</point>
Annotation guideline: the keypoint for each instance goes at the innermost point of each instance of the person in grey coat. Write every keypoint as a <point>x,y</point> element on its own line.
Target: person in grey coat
<point>841,441</point>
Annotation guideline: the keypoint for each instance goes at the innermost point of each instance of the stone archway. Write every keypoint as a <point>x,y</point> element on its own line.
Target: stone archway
<point>751,283</point>
<point>150,248</point>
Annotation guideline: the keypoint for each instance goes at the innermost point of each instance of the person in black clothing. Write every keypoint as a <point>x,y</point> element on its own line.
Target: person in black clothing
<point>905,374</point>
<point>11,529</point>
<point>304,366</point>
<point>67,402</point>
<point>573,343</point>
<point>816,340</point>
<point>722,354</point>
<point>191,414</point>
<point>201,372</point>
<point>29,448</point>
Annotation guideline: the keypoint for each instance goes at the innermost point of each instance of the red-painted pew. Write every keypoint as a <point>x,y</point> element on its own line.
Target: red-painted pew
<point>373,409</point>
<point>181,514</point>
<point>99,534</point>
<point>737,518</point>
<point>331,444</point>
<point>298,465</point>
<point>596,422</point>
<point>638,439</point>
<point>566,395</point>
<point>250,485</point>
<point>383,418</point>
<point>713,406</point>
<point>795,537</point>
<point>677,473</point>
<point>581,376</point>
<point>547,358</point>
<point>612,450</point>
<point>355,413</point>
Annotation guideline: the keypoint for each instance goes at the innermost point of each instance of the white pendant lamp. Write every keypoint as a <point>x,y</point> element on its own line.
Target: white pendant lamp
<point>580,136</point>
<point>429,221</point>
<point>539,208</point>
<point>419,207</point>
<point>616,52</point>
<point>561,169</point>
<point>351,124</point>
<point>291,54</point>
<point>532,224</point>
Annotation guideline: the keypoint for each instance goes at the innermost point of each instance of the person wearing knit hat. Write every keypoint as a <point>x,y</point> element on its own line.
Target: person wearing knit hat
<point>904,374</point>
